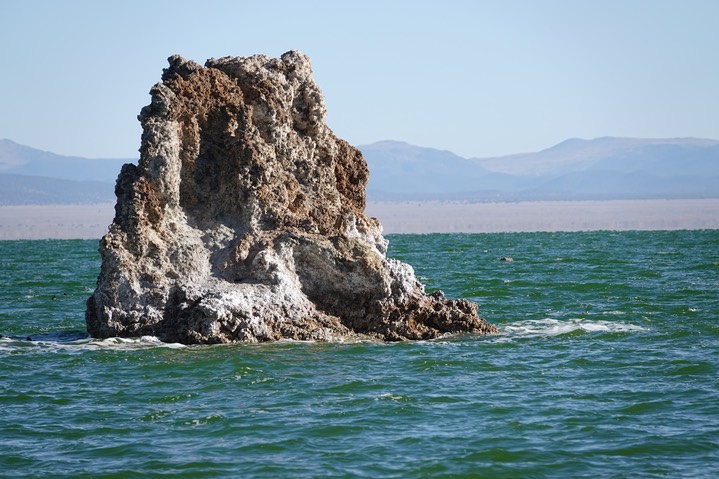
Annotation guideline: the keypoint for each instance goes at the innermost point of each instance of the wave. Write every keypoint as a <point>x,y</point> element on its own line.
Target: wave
<point>81,342</point>
<point>556,327</point>
<point>74,341</point>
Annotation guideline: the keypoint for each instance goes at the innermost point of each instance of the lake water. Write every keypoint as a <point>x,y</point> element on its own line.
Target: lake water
<point>607,365</point>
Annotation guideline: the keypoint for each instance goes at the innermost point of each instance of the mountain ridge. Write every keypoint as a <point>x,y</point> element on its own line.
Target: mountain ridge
<point>575,169</point>
<point>580,152</point>
<point>25,160</point>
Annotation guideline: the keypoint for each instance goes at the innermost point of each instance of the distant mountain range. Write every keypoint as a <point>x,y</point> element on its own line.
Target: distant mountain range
<point>602,168</point>
<point>30,176</point>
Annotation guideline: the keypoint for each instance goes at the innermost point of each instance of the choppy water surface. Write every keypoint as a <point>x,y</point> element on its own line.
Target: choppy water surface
<point>606,366</point>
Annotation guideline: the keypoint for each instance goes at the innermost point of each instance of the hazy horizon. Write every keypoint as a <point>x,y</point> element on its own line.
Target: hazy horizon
<point>600,169</point>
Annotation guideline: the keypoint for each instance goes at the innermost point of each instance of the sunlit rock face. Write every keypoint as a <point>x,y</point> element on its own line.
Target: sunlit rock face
<point>244,221</point>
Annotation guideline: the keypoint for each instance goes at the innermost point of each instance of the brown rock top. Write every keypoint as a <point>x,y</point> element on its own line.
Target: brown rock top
<point>244,221</point>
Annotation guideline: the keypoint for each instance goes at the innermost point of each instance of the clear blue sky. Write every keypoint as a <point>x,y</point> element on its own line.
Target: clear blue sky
<point>479,78</point>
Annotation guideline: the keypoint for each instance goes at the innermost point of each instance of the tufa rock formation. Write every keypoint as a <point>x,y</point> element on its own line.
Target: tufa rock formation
<point>244,221</point>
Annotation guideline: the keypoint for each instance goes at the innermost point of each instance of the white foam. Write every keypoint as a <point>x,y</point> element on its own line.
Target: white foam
<point>50,345</point>
<point>392,397</point>
<point>555,327</point>
<point>142,342</point>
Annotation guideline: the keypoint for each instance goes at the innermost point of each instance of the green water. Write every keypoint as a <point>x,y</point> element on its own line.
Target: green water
<point>607,365</point>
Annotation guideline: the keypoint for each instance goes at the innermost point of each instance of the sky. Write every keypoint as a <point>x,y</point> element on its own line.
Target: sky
<point>478,78</point>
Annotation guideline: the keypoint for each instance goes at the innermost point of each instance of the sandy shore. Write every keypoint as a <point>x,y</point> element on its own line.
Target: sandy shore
<point>91,221</point>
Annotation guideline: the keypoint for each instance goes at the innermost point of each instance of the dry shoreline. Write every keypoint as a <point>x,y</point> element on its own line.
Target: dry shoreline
<point>531,216</point>
<point>91,221</point>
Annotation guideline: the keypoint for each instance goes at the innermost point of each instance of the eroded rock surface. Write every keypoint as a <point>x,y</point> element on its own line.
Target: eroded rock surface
<point>244,221</point>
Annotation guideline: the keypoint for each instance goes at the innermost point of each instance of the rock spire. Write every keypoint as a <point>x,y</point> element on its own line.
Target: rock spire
<point>244,221</point>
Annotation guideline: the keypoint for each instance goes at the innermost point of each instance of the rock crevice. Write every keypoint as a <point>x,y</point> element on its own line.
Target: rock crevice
<point>244,221</point>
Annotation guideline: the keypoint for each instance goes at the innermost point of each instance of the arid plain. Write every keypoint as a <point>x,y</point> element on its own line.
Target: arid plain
<point>91,221</point>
